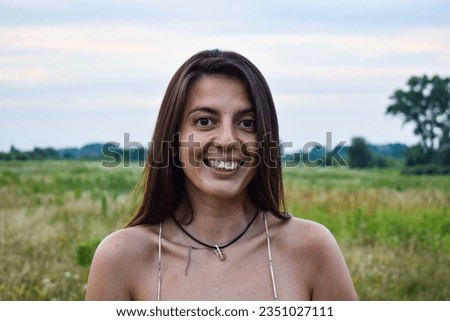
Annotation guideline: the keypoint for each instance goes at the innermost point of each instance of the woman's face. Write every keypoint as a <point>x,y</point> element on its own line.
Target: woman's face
<point>218,138</point>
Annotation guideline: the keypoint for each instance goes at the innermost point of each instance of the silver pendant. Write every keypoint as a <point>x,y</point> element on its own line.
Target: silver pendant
<point>219,253</point>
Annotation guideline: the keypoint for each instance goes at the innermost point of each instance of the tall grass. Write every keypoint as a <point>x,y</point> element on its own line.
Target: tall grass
<point>47,209</point>
<point>393,229</point>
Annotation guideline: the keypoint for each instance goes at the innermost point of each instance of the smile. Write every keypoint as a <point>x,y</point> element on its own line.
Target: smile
<point>223,165</point>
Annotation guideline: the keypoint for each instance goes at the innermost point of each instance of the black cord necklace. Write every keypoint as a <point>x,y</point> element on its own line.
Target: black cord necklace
<point>218,248</point>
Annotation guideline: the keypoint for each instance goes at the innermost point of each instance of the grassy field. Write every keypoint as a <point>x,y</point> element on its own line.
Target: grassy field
<point>393,230</point>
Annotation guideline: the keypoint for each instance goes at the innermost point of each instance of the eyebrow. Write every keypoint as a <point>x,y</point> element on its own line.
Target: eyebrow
<point>249,110</point>
<point>210,110</point>
<point>203,109</point>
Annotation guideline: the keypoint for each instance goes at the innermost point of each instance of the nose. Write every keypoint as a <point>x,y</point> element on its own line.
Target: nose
<point>227,136</point>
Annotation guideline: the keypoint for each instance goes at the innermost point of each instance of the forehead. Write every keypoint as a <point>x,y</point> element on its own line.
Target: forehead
<point>217,91</point>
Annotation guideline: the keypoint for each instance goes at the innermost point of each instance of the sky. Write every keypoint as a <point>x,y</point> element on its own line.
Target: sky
<point>79,72</point>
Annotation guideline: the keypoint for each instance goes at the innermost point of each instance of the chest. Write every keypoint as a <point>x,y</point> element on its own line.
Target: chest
<point>203,276</point>
<point>199,274</point>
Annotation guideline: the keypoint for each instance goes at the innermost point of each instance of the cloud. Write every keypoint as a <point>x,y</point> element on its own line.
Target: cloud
<point>67,53</point>
<point>98,58</point>
<point>82,104</point>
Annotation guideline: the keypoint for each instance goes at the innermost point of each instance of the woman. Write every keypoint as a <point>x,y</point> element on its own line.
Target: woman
<point>211,224</point>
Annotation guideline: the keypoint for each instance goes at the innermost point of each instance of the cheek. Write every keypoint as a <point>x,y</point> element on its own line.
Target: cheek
<point>190,158</point>
<point>250,151</point>
<point>190,149</point>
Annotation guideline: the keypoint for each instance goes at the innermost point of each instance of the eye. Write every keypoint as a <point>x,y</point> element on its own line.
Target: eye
<point>248,123</point>
<point>204,122</point>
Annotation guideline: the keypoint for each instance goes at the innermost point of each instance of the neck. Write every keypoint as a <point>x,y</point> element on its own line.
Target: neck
<point>216,222</point>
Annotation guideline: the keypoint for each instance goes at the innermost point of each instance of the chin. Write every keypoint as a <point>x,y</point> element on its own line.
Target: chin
<point>219,190</point>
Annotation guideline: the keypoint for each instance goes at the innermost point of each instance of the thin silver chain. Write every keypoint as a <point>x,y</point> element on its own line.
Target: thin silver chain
<point>274,286</point>
<point>158,296</point>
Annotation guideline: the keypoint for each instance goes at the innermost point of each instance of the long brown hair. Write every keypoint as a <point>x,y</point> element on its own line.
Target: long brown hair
<point>163,180</point>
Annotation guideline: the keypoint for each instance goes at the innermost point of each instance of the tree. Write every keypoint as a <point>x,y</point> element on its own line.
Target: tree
<point>415,155</point>
<point>359,154</point>
<point>426,104</point>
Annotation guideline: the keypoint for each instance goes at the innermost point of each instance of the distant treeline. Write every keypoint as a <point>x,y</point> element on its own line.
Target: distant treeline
<point>372,156</point>
<point>411,159</point>
<point>359,154</point>
<point>108,151</point>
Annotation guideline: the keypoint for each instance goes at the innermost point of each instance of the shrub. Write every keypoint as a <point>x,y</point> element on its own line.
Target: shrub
<point>85,252</point>
<point>429,169</point>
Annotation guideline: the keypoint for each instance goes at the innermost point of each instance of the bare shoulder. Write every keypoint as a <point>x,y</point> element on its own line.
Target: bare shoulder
<point>118,258</point>
<point>127,243</point>
<point>301,234</point>
<point>313,246</point>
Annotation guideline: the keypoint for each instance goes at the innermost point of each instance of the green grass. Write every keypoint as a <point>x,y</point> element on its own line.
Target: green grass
<point>393,229</point>
<point>48,211</point>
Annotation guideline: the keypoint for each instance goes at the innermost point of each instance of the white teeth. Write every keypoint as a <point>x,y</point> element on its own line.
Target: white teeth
<point>230,165</point>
